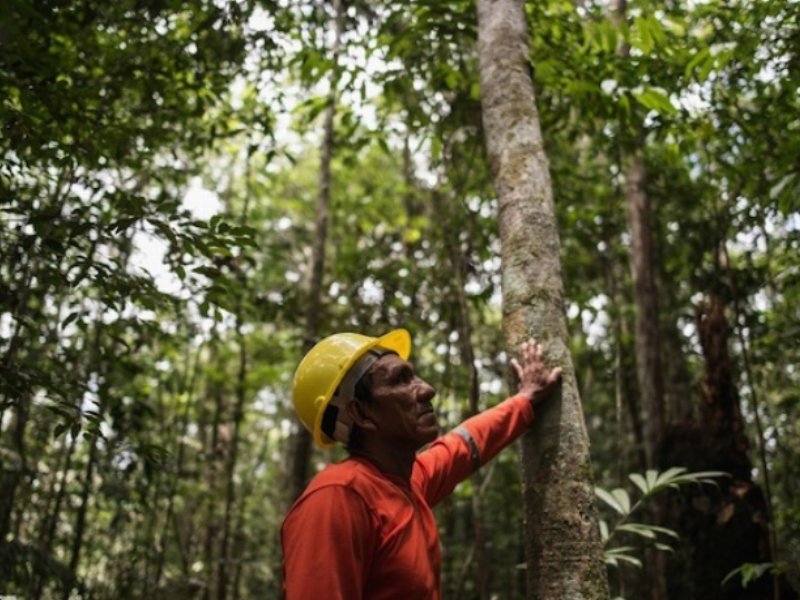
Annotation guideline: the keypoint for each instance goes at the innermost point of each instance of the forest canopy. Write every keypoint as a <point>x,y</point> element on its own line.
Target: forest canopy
<point>194,191</point>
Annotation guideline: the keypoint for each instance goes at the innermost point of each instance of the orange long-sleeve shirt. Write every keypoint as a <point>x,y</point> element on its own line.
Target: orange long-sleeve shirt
<point>356,533</point>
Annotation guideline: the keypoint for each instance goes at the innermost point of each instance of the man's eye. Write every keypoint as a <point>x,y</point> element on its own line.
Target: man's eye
<point>404,376</point>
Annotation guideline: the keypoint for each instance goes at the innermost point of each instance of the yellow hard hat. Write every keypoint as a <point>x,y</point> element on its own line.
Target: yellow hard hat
<point>321,371</point>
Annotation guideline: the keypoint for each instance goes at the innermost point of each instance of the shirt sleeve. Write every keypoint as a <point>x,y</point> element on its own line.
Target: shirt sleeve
<point>454,456</point>
<point>328,541</point>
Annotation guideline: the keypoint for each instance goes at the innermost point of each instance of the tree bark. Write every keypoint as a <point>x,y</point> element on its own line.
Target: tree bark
<point>648,357</point>
<point>562,539</point>
<point>301,444</point>
<point>645,293</point>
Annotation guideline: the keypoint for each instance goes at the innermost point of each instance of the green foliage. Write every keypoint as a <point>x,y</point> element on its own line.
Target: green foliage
<point>649,485</point>
<point>123,388</point>
<point>748,573</point>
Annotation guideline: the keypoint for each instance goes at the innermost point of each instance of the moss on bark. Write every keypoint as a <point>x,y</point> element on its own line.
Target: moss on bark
<point>563,549</point>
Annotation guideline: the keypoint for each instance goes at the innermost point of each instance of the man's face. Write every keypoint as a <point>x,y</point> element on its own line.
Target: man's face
<point>402,406</point>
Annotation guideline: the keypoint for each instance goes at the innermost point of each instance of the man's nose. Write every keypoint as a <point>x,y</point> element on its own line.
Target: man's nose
<point>426,391</point>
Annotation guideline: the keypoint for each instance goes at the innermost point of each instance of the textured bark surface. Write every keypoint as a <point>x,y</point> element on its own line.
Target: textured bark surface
<point>648,358</point>
<point>562,540</point>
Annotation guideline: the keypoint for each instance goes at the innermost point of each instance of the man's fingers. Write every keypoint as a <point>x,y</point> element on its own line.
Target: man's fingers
<point>530,350</point>
<point>517,368</point>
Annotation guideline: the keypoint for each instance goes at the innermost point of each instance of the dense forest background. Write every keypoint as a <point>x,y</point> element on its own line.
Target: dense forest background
<point>193,191</point>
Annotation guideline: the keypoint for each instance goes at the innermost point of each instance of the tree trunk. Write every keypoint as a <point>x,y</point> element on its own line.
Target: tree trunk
<point>238,415</point>
<point>630,456</point>
<point>648,358</point>
<point>301,444</point>
<point>83,508</point>
<point>645,293</point>
<point>230,468</point>
<point>724,525</point>
<point>562,538</point>
<point>188,387</point>
<point>477,554</point>
<point>50,521</point>
<point>213,454</point>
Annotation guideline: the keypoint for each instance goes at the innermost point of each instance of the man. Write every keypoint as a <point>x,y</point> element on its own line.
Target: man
<point>363,528</point>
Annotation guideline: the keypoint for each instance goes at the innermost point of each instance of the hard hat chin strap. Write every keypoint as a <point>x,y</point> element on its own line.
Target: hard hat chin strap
<point>345,393</point>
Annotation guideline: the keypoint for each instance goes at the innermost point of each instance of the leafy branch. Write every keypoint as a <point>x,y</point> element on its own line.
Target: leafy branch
<point>650,484</point>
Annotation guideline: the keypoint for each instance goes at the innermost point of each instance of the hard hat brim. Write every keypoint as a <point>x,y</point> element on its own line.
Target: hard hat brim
<point>397,340</point>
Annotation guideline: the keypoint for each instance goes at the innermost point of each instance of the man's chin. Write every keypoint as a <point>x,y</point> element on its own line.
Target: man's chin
<point>430,433</point>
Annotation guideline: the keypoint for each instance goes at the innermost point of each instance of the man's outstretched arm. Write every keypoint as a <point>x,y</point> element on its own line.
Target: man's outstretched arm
<point>454,456</point>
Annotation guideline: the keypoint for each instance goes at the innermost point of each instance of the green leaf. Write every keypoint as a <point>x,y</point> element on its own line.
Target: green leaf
<point>210,272</point>
<point>640,482</point>
<point>641,37</point>
<point>656,31</point>
<point>639,529</point>
<point>630,559</point>
<point>609,499</point>
<point>698,62</point>
<point>622,498</point>
<point>621,553</point>
<point>59,429</point>
<point>70,318</point>
<point>665,531</point>
<point>749,572</point>
<point>652,478</point>
<point>669,476</point>
<point>656,99</point>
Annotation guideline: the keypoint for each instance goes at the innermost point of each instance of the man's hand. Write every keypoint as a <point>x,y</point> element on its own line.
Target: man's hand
<point>536,380</point>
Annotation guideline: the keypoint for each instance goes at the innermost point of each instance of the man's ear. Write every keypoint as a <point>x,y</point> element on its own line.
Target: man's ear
<point>360,414</point>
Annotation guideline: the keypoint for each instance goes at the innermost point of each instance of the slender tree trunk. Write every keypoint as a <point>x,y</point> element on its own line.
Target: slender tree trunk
<point>754,406</point>
<point>646,338</point>
<point>233,452</point>
<point>193,366</point>
<point>678,392</point>
<point>625,404</point>
<point>213,455</point>
<point>240,548</point>
<point>51,520</point>
<point>648,359</point>
<point>562,538</point>
<point>238,415</point>
<point>83,508</point>
<point>301,444</point>
<point>86,490</point>
<point>477,554</point>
